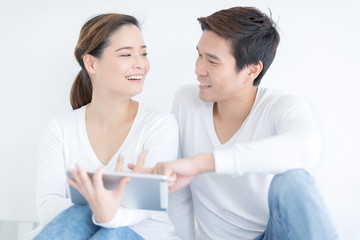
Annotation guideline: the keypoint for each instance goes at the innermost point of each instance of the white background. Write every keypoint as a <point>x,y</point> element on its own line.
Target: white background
<point>318,56</point>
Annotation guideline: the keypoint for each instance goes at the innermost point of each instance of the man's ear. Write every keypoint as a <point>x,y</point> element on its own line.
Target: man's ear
<point>89,63</point>
<point>254,70</point>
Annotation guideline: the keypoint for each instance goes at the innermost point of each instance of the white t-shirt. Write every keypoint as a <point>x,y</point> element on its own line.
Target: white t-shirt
<point>64,142</point>
<point>279,134</point>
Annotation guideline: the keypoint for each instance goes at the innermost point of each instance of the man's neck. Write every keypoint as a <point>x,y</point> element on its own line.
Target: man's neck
<point>236,109</point>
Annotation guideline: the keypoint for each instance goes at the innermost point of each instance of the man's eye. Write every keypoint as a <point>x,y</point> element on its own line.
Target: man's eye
<point>125,55</point>
<point>212,62</point>
<point>145,54</point>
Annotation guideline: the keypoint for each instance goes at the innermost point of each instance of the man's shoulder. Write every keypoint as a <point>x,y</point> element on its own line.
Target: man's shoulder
<point>150,116</point>
<point>187,94</point>
<point>274,95</point>
<point>188,90</point>
<point>279,100</point>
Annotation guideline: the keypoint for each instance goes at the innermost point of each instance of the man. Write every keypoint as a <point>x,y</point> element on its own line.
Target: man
<point>249,143</point>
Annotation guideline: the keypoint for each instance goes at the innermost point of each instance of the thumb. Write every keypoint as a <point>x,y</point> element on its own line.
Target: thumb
<point>119,190</point>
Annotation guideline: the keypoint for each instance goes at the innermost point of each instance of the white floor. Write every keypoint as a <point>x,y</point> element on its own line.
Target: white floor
<point>15,230</point>
<point>17,217</point>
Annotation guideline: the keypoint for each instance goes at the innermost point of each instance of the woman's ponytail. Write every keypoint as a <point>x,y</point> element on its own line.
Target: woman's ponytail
<point>81,90</point>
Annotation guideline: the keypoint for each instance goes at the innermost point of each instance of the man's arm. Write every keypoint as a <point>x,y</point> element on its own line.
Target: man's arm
<point>180,172</point>
<point>296,144</point>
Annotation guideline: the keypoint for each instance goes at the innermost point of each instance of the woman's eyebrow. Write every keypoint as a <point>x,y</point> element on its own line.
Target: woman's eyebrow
<point>129,48</point>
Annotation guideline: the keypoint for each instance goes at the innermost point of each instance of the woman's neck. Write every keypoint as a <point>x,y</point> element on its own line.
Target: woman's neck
<point>111,114</point>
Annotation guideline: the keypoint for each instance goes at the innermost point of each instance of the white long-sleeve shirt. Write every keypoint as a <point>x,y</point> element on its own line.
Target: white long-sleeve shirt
<point>279,134</point>
<point>64,142</point>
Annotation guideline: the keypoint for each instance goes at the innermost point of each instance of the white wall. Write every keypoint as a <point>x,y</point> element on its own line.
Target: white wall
<point>318,56</point>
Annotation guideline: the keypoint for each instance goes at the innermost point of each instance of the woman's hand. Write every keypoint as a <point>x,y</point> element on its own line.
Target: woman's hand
<point>103,202</point>
<point>134,168</point>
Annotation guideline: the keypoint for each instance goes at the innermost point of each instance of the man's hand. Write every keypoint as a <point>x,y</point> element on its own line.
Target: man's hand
<point>180,172</point>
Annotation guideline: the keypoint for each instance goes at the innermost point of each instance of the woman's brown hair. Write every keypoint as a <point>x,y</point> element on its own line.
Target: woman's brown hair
<point>93,39</point>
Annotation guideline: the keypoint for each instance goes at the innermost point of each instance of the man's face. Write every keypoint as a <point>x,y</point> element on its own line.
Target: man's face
<point>216,69</point>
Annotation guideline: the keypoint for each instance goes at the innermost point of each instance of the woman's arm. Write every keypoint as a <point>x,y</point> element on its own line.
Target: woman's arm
<point>51,176</point>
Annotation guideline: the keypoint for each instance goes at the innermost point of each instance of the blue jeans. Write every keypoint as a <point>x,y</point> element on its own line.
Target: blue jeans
<point>76,223</point>
<point>297,210</point>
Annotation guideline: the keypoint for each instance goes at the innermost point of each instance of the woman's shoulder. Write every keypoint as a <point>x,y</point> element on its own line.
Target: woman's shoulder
<point>66,119</point>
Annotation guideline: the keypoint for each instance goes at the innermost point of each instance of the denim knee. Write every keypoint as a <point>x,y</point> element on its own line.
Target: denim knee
<point>291,184</point>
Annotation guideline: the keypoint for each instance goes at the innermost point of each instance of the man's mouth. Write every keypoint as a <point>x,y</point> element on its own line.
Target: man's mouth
<point>204,86</point>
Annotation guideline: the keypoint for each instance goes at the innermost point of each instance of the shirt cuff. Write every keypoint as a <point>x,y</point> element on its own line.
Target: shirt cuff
<point>124,217</point>
<point>225,162</point>
<point>109,224</point>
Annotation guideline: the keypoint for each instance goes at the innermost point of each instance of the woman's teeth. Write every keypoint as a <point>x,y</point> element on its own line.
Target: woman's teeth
<point>135,77</point>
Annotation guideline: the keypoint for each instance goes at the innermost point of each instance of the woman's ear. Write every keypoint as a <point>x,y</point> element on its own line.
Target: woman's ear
<point>89,62</point>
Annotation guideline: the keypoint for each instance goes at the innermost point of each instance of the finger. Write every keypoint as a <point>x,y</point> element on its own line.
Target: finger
<point>84,179</point>
<point>141,170</point>
<point>131,166</point>
<point>171,190</point>
<point>75,175</point>
<point>119,190</point>
<point>163,168</point>
<point>180,183</point>
<point>98,181</point>
<point>73,183</point>
<point>120,163</point>
<point>140,162</point>
<point>172,179</point>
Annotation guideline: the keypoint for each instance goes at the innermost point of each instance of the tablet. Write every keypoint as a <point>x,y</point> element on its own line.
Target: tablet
<point>144,191</point>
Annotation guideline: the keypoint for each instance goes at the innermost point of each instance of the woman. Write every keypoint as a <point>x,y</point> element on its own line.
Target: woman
<point>106,123</point>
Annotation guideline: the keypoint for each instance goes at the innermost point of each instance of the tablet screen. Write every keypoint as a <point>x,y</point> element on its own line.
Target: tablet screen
<point>144,191</point>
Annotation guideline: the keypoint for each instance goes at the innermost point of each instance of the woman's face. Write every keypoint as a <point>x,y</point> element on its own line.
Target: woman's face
<point>123,65</point>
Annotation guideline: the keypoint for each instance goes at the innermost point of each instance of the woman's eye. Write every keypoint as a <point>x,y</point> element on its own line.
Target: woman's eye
<point>125,55</point>
<point>211,62</point>
<point>145,54</point>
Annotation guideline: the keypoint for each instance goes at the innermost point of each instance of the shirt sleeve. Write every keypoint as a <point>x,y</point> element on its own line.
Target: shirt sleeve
<point>162,145</point>
<point>51,177</point>
<point>295,144</point>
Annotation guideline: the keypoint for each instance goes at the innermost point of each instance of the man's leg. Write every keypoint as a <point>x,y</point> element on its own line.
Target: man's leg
<point>73,223</point>
<point>297,210</point>
<point>123,233</point>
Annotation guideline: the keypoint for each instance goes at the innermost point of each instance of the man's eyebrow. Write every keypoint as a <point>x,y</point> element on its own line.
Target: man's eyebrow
<point>210,55</point>
<point>127,48</point>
